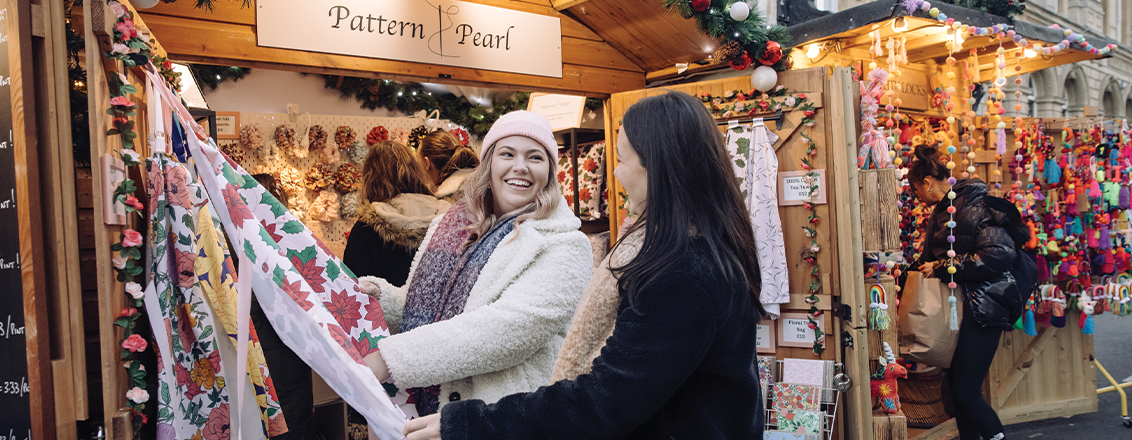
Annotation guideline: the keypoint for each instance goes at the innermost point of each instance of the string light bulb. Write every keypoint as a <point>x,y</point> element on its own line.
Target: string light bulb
<point>899,24</point>
<point>813,50</point>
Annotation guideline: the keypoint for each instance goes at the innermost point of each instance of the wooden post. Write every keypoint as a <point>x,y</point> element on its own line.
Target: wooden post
<point>889,426</point>
<point>843,154</point>
<point>24,144</point>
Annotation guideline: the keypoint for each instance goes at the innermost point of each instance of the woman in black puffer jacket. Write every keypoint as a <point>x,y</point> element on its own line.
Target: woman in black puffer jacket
<point>996,275</point>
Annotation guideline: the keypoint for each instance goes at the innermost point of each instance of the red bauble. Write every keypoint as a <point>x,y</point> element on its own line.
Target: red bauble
<point>772,54</point>
<point>742,63</point>
<point>700,5</point>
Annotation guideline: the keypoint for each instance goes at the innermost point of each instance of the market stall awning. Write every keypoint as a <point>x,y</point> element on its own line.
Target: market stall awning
<point>846,33</point>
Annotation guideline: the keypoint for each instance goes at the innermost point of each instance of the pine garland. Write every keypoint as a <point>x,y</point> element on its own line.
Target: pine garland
<point>212,76</point>
<point>752,33</point>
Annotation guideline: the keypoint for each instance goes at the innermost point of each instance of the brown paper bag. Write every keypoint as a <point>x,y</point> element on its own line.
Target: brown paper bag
<point>923,321</point>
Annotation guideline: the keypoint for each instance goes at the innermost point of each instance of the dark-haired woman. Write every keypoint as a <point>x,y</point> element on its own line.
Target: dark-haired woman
<point>679,361</point>
<point>996,276</point>
<point>447,162</point>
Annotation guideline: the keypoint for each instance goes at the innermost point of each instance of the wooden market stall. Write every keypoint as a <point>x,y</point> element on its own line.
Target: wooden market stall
<point>611,49</point>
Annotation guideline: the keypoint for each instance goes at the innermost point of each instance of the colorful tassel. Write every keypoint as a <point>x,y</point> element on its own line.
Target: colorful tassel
<point>954,324</point>
<point>1087,328</point>
<point>878,309</point>
<point>1122,198</point>
<point>1043,268</point>
<point>1030,325</point>
<point>1105,241</point>
<point>1052,173</point>
<point>1094,190</point>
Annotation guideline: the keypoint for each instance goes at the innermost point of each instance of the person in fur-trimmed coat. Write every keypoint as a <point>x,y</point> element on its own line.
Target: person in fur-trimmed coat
<point>493,287</point>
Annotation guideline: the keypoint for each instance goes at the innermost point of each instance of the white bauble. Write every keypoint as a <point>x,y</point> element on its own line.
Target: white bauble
<point>764,78</point>
<point>143,4</point>
<point>740,11</point>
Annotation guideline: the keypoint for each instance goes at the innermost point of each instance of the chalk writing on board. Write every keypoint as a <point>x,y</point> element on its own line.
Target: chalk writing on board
<point>11,329</point>
<point>12,435</point>
<point>16,387</point>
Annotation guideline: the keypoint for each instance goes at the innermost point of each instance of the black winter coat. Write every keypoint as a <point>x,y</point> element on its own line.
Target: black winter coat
<point>679,365</point>
<point>385,238</point>
<point>996,274</point>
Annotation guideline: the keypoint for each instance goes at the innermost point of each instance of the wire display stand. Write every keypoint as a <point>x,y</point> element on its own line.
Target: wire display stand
<point>830,397</point>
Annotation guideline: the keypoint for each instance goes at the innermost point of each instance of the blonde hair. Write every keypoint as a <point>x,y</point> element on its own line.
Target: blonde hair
<point>478,199</point>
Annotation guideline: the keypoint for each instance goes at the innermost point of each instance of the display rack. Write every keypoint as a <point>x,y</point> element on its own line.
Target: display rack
<point>830,397</point>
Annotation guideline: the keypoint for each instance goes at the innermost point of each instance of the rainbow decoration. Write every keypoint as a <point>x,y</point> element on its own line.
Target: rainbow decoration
<point>878,308</point>
<point>1124,279</point>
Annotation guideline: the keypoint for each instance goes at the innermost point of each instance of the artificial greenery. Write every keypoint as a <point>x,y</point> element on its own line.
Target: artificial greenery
<point>212,76</point>
<point>80,123</point>
<point>1002,8</point>
<point>752,34</point>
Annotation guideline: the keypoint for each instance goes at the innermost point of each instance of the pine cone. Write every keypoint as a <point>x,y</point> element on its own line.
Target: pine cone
<point>728,51</point>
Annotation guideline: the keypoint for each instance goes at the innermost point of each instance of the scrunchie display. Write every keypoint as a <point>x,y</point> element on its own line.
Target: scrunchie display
<point>317,138</point>
<point>358,153</point>
<point>461,136</point>
<point>416,135</point>
<point>347,179</point>
<point>399,134</point>
<point>319,176</point>
<point>251,138</point>
<point>233,150</point>
<point>285,140</point>
<point>348,206</point>
<point>377,134</point>
<point>325,207</point>
<point>300,208</point>
<point>344,136</point>
<point>290,180</point>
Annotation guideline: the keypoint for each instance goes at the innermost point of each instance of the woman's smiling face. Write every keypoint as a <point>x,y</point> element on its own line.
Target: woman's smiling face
<point>520,168</point>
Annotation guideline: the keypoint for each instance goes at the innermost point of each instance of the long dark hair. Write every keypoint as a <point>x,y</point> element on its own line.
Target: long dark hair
<point>691,190</point>
<point>926,162</point>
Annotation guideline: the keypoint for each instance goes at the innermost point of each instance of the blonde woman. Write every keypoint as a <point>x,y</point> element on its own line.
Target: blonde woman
<point>495,282</point>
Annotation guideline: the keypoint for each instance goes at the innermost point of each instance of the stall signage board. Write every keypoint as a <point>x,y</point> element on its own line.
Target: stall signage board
<point>913,88</point>
<point>445,32</point>
<point>15,398</point>
<point>563,111</point>
<point>793,189</point>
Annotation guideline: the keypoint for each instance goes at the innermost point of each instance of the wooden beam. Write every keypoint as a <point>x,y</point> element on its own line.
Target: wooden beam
<point>589,69</point>
<point>1021,367</point>
<point>562,5</point>
<point>21,85</point>
<point>1048,410</point>
<point>943,431</point>
<point>676,72</point>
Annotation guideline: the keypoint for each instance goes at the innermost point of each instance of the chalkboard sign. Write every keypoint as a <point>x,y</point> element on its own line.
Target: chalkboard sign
<point>15,398</point>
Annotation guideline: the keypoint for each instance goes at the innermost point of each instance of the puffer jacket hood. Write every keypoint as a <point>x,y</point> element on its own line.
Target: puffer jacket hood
<point>997,275</point>
<point>404,219</point>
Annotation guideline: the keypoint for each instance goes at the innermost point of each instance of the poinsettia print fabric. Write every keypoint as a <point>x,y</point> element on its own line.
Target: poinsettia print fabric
<point>193,397</point>
<point>313,302</point>
<point>216,277</point>
<point>592,200</point>
<point>751,147</point>
<point>788,396</point>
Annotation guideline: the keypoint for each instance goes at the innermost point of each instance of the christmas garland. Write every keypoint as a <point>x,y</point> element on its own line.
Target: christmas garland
<point>743,34</point>
<point>212,76</point>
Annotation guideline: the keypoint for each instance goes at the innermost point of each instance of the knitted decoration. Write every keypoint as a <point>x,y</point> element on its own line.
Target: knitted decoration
<point>233,151</point>
<point>358,152</point>
<point>344,136</point>
<point>878,309</point>
<point>251,138</point>
<point>348,206</point>
<point>325,207</point>
<point>290,180</point>
<point>415,136</point>
<point>377,134</point>
<point>317,138</point>
<point>886,389</point>
<point>461,136</point>
<point>285,140</point>
<point>347,179</point>
<point>319,176</point>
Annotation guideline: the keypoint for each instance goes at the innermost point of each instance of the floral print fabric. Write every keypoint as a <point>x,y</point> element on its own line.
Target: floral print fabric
<point>753,158</point>
<point>193,397</point>
<point>592,200</point>
<point>314,303</point>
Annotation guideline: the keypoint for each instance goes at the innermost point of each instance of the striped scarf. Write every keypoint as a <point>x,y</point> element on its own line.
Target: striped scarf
<point>443,281</point>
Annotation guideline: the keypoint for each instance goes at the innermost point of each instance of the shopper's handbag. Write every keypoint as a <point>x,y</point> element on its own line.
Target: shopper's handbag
<point>924,325</point>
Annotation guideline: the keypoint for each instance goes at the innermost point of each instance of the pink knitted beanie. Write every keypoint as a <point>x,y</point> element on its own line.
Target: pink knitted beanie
<point>522,123</point>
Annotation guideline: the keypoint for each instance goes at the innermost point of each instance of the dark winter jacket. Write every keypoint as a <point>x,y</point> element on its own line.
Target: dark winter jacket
<point>680,364</point>
<point>996,274</point>
<point>386,236</point>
